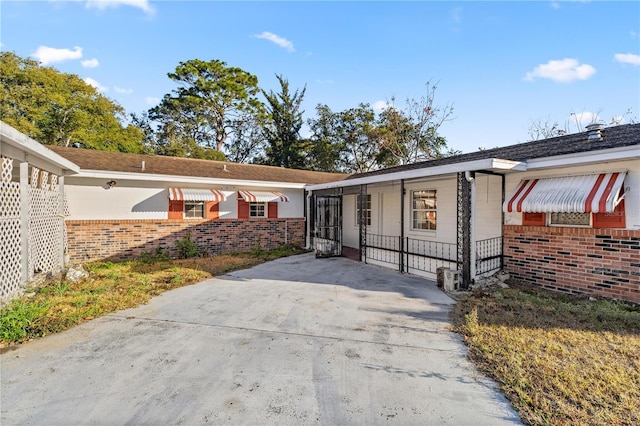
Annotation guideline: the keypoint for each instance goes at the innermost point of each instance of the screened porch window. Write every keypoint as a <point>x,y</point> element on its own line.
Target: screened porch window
<point>367,211</point>
<point>423,209</point>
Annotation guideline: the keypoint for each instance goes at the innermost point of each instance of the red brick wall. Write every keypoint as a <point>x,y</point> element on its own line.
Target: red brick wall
<point>92,240</point>
<point>603,262</point>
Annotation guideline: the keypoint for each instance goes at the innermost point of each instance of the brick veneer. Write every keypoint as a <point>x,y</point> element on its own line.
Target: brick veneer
<point>604,262</point>
<point>92,240</point>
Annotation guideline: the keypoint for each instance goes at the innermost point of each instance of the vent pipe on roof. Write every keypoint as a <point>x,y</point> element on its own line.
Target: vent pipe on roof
<point>224,168</point>
<point>594,131</point>
<point>143,167</point>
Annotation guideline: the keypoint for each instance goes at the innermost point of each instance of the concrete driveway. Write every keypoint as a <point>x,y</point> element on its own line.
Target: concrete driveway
<point>295,341</point>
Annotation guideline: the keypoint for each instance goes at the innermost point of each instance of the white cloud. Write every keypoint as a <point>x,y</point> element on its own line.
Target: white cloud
<point>280,41</point>
<point>150,100</point>
<point>90,63</point>
<point>104,4</point>
<point>561,71</point>
<point>99,87</point>
<point>627,58</point>
<point>49,55</point>
<point>456,14</point>
<point>555,5</point>
<point>380,105</point>
<point>633,33</point>
<point>123,91</point>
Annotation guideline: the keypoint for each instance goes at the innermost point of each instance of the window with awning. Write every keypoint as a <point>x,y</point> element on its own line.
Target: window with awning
<point>594,193</point>
<point>191,203</point>
<point>263,197</point>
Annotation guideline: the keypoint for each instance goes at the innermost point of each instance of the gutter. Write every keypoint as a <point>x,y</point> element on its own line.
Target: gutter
<point>484,164</point>
<point>100,174</point>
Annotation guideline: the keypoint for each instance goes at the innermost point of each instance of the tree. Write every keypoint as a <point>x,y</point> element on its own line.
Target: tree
<point>282,132</point>
<point>411,135</point>
<point>246,142</point>
<point>575,123</point>
<point>205,109</point>
<point>61,109</point>
<point>324,149</point>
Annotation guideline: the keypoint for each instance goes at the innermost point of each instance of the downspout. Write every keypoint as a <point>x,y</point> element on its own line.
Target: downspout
<point>308,220</point>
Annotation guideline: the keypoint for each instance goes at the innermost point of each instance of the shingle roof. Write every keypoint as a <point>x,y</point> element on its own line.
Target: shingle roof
<point>612,137</point>
<point>89,159</point>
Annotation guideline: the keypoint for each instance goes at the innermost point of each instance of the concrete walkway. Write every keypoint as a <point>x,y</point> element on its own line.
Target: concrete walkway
<point>295,341</point>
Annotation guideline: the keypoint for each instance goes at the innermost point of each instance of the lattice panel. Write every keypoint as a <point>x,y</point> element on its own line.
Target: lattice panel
<point>10,256</point>
<point>45,226</point>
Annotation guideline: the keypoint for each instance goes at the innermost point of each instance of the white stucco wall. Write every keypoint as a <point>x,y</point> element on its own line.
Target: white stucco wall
<point>88,200</point>
<point>631,184</point>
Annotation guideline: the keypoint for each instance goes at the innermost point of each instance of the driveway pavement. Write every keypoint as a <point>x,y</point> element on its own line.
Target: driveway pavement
<point>295,341</point>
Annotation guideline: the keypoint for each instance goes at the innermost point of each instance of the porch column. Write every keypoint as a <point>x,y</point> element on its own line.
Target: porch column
<point>464,235</point>
<point>402,225</point>
<point>24,222</point>
<point>362,216</point>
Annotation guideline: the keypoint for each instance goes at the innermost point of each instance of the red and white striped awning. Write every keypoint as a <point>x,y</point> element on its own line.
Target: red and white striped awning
<point>597,193</point>
<point>263,197</point>
<point>189,194</point>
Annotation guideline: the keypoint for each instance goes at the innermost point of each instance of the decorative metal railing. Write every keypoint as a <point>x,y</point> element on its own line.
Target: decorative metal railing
<point>414,254</point>
<point>488,255</point>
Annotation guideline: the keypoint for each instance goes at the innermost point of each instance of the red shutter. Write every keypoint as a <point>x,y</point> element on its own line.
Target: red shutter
<point>243,209</point>
<point>272,210</point>
<point>533,219</point>
<point>176,209</point>
<point>611,220</point>
<point>212,210</point>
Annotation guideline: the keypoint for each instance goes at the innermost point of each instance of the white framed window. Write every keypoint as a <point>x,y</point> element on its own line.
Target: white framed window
<point>367,211</point>
<point>193,209</point>
<point>423,210</point>
<point>257,209</point>
<point>570,219</point>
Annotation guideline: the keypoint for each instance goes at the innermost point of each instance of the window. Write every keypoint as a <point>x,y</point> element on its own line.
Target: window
<point>570,219</point>
<point>257,209</point>
<point>367,211</point>
<point>193,209</point>
<point>423,209</point>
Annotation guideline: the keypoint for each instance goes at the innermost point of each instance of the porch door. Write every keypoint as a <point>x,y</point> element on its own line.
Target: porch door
<point>327,240</point>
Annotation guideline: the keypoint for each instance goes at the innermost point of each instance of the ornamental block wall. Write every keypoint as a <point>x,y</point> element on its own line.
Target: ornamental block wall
<point>602,262</point>
<point>96,240</point>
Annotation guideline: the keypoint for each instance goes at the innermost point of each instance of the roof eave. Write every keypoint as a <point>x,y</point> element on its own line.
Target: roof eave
<point>584,158</point>
<point>490,164</point>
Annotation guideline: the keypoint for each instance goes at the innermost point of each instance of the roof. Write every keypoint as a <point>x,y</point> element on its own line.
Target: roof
<point>612,137</point>
<point>89,159</point>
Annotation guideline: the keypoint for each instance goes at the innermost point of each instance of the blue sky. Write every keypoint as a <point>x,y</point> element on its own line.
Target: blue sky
<point>501,64</point>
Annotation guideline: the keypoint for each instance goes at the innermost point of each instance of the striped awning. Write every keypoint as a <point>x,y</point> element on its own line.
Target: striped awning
<point>189,194</point>
<point>597,193</point>
<point>263,197</point>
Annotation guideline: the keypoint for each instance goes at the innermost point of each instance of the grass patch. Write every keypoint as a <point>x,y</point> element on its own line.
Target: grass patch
<point>560,360</point>
<point>111,286</point>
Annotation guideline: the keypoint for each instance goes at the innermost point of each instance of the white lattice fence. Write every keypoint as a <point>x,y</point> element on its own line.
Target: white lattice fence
<point>10,253</point>
<point>45,224</point>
